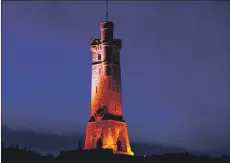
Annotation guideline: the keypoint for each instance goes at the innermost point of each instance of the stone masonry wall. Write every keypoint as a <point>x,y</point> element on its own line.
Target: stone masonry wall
<point>109,132</point>
<point>106,90</point>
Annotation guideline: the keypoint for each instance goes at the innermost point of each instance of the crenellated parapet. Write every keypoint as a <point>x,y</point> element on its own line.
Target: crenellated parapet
<point>95,45</point>
<point>94,41</point>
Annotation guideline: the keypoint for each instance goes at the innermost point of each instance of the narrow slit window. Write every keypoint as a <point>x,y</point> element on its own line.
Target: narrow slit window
<point>96,89</point>
<point>108,71</point>
<point>99,71</point>
<point>99,57</point>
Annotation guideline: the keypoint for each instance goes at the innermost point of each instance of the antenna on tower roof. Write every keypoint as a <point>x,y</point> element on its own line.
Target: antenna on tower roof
<point>106,11</point>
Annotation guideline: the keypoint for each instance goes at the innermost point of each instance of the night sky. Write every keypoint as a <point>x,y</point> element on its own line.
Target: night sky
<point>175,65</point>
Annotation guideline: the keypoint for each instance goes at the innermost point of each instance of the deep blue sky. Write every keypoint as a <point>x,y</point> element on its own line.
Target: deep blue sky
<point>175,68</point>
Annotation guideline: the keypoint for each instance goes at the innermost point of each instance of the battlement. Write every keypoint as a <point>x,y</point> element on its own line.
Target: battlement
<point>94,41</point>
<point>116,42</point>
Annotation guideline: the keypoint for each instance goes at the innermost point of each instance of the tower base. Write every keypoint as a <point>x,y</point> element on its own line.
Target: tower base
<point>108,134</point>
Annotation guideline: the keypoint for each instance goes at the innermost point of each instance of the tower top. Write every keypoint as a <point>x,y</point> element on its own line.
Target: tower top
<point>106,25</point>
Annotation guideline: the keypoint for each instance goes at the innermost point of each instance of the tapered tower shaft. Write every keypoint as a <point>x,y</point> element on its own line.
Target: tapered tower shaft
<point>106,127</point>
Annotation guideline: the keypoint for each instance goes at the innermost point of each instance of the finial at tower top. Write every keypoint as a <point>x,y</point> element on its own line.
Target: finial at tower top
<point>106,11</point>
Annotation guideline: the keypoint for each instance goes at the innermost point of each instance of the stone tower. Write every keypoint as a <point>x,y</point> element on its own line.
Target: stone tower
<point>106,127</point>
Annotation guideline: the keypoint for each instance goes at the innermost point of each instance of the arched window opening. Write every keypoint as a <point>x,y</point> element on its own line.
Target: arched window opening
<point>119,145</point>
<point>108,71</point>
<point>99,143</point>
<point>99,57</point>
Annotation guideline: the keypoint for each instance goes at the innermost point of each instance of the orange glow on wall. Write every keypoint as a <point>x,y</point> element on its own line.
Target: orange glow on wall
<point>109,132</point>
<point>106,90</point>
<point>107,129</point>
